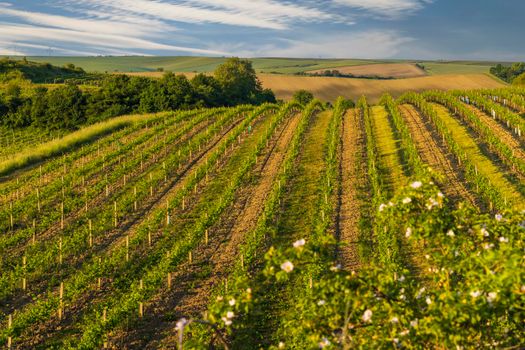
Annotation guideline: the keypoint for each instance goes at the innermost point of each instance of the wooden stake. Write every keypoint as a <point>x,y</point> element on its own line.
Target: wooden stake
<point>141,310</point>
<point>24,281</point>
<point>9,325</point>
<point>61,307</point>
<point>169,280</point>
<point>60,250</point>
<point>206,237</point>
<point>190,258</point>
<point>90,228</point>
<point>127,248</point>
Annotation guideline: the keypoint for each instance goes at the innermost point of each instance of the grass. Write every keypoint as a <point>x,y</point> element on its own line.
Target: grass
<point>440,68</point>
<point>32,155</point>
<point>487,167</point>
<point>390,167</point>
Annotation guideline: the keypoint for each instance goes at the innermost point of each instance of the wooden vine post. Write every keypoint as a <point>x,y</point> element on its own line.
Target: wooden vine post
<point>61,301</point>
<point>24,267</point>
<point>9,326</point>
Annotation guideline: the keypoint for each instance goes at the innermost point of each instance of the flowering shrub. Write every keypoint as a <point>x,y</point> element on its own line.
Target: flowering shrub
<point>463,288</point>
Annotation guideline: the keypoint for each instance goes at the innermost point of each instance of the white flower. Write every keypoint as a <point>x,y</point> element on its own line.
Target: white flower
<point>503,239</point>
<point>416,184</point>
<point>428,301</point>
<point>249,291</point>
<point>230,315</point>
<point>408,232</point>
<point>390,204</point>
<point>488,245</point>
<point>450,233</point>
<point>420,293</point>
<point>402,297</point>
<point>484,232</point>
<point>404,332</point>
<point>401,278</point>
<point>287,266</point>
<point>181,324</point>
<point>440,195</point>
<point>407,200</point>
<point>382,207</point>
<point>220,298</point>
<point>498,217</point>
<point>324,343</point>
<point>367,316</point>
<point>226,321</point>
<point>394,320</point>
<point>299,243</point>
<point>522,288</point>
<point>281,345</point>
<point>414,323</point>
<point>321,302</point>
<point>396,341</point>
<point>232,302</point>
<point>492,296</point>
<point>427,256</point>
<point>475,293</point>
<point>335,268</point>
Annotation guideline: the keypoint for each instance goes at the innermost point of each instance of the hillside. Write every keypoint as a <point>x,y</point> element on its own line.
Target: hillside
<point>39,72</point>
<point>329,88</point>
<point>124,234</point>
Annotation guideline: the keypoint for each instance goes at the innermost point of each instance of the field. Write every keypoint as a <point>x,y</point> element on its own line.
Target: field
<point>328,88</point>
<point>389,70</point>
<point>261,65</point>
<point>394,223</point>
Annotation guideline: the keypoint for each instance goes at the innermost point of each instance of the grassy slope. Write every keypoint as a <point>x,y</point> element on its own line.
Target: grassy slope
<point>266,65</point>
<point>33,154</point>
<point>190,64</point>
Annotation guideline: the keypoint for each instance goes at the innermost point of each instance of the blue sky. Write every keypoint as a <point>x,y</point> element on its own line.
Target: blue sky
<point>418,29</point>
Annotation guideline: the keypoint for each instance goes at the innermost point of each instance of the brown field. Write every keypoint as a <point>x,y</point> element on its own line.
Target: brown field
<point>328,89</point>
<point>387,70</point>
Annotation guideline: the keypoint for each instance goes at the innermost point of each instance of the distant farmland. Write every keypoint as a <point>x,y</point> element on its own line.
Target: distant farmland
<point>385,70</point>
<point>328,88</point>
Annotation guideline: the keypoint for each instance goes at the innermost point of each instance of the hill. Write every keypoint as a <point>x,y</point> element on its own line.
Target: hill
<point>38,72</point>
<point>328,88</point>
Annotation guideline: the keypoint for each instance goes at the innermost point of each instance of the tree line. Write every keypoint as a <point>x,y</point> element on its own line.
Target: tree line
<point>70,106</point>
<point>508,73</point>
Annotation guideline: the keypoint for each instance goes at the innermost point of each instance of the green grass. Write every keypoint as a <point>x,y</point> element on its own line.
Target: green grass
<point>34,154</point>
<point>439,68</point>
<point>391,167</point>
<point>497,175</point>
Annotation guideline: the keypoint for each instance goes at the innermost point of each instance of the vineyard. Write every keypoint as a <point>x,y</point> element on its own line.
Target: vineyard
<point>280,226</point>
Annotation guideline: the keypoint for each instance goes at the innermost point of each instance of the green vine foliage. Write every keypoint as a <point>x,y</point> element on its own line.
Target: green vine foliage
<point>472,296</point>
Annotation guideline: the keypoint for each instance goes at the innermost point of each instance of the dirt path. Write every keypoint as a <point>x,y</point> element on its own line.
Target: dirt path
<point>505,135</point>
<point>193,282</point>
<point>433,154</point>
<point>353,180</point>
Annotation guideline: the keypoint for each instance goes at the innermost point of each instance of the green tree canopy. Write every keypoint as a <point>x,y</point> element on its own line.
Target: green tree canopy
<point>303,97</point>
<point>238,81</point>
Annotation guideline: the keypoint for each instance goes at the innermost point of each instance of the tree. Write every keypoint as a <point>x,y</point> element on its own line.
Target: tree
<point>303,97</point>
<point>238,81</point>
<point>207,91</point>
<point>66,106</point>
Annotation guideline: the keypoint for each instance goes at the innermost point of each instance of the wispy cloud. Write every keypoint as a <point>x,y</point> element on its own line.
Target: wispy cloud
<point>364,44</point>
<point>267,14</point>
<point>386,8</point>
<point>14,33</point>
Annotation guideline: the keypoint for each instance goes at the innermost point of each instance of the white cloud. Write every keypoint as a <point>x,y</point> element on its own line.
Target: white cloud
<point>113,26</point>
<point>386,8</point>
<point>23,33</point>
<point>265,14</point>
<point>366,44</point>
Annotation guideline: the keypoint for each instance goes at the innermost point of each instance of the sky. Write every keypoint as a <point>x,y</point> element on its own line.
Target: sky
<point>409,29</point>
